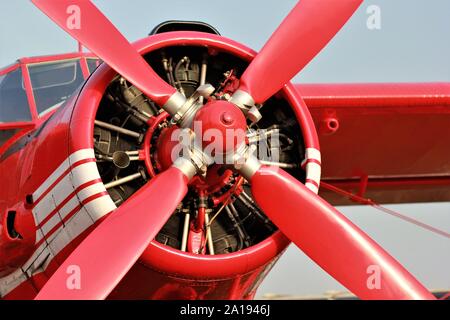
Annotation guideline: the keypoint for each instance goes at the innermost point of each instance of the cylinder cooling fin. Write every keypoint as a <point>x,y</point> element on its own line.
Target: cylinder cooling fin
<point>133,141</point>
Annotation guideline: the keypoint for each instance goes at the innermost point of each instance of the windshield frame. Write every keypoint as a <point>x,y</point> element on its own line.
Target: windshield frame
<point>78,63</point>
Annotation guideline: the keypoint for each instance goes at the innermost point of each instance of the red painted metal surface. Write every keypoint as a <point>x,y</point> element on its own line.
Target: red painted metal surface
<point>22,129</point>
<point>84,67</point>
<point>395,134</point>
<point>158,273</point>
<point>220,271</point>
<point>332,240</point>
<point>13,250</point>
<point>107,254</point>
<point>146,283</point>
<point>154,255</point>
<point>229,122</point>
<point>220,43</point>
<point>301,36</point>
<point>29,91</point>
<point>23,171</point>
<point>9,68</point>
<point>101,37</point>
<point>71,130</point>
<point>55,57</point>
<point>395,190</point>
<point>376,95</point>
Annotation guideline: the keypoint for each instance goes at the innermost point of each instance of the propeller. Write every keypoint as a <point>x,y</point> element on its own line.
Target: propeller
<point>316,227</point>
<point>100,36</point>
<point>301,36</point>
<point>111,249</point>
<point>331,240</point>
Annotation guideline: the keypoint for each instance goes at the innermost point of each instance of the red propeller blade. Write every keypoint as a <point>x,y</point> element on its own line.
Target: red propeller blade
<point>107,254</point>
<point>301,36</point>
<point>331,240</point>
<point>83,21</point>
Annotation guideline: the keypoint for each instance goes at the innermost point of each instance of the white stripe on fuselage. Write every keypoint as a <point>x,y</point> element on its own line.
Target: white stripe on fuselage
<point>74,157</point>
<point>84,173</point>
<point>74,226</point>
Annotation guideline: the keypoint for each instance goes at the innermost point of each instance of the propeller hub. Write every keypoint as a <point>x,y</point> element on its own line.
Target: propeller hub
<point>222,126</point>
<point>227,119</point>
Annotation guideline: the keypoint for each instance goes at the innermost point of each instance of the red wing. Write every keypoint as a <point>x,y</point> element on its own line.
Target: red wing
<point>394,136</point>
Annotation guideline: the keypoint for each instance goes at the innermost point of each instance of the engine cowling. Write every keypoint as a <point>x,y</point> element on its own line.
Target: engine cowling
<point>218,237</point>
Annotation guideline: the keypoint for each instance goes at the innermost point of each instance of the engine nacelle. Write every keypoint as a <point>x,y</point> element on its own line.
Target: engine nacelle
<point>125,129</point>
<point>109,139</point>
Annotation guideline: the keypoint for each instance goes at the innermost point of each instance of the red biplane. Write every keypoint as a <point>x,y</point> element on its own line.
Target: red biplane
<point>94,205</point>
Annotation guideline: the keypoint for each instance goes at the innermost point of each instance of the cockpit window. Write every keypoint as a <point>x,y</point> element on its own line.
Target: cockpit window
<point>13,98</point>
<point>54,83</point>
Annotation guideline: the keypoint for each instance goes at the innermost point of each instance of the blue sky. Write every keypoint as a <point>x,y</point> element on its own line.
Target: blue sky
<point>412,46</point>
